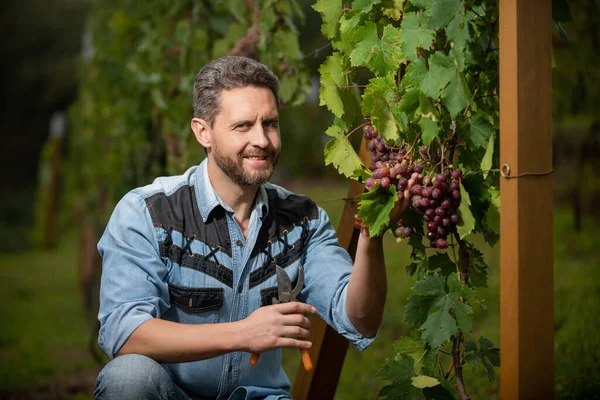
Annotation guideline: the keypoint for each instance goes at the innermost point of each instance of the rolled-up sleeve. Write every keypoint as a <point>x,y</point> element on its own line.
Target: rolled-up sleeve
<point>133,288</point>
<point>327,268</point>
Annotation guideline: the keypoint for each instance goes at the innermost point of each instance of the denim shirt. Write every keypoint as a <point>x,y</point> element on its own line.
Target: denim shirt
<point>173,250</point>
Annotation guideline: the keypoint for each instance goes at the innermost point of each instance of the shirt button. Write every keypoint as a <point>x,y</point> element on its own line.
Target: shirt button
<point>239,243</point>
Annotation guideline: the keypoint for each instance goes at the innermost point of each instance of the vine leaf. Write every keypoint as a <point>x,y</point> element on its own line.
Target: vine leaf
<point>486,162</point>
<point>338,101</point>
<point>459,31</point>
<point>415,34</point>
<point>443,263</point>
<point>443,11</point>
<point>376,97</point>
<point>456,95</point>
<point>393,9</point>
<point>330,11</point>
<point>411,347</point>
<point>375,208</point>
<point>440,325</point>
<point>382,55</point>
<point>340,153</point>
<point>481,130</point>
<point>424,381</point>
<point>430,129</point>
<point>360,8</point>
<point>486,356</point>
<point>399,371</point>
<point>467,221</point>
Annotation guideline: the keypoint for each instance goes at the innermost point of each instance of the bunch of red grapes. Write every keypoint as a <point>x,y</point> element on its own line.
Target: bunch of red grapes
<point>435,196</point>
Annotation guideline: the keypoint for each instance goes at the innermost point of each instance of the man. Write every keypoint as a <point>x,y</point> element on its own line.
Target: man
<point>189,261</point>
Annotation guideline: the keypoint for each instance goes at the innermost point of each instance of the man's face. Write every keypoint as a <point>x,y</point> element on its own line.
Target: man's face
<point>245,141</point>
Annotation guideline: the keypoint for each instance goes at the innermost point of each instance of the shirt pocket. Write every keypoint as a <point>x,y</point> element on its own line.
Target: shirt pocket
<point>203,302</point>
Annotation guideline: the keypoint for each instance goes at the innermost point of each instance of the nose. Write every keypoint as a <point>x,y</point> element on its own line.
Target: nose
<point>259,137</point>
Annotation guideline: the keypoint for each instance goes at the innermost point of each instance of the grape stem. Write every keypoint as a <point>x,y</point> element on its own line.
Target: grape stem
<point>357,128</point>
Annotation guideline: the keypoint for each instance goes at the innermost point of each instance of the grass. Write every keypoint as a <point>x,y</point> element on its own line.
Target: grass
<point>45,330</point>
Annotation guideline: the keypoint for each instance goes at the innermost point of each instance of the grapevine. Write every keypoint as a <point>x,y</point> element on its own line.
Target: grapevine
<point>420,79</point>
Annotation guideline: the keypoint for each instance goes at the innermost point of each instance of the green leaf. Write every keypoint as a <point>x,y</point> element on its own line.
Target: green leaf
<point>443,263</point>
<point>477,269</point>
<point>400,372</point>
<point>423,381</point>
<point>410,102</point>
<point>375,208</point>
<point>412,347</point>
<point>340,153</point>
<point>439,326</point>
<point>458,31</point>
<point>486,162</point>
<point>376,99</point>
<point>481,130</point>
<point>467,221</point>
<point>433,285</point>
<point>414,34</point>
<point>486,356</point>
<point>369,39</point>
<point>341,102</point>
<point>417,308</point>
<point>456,95</point>
<point>441,72</point>
<point>392,8</point>
<point>383,56</point>
<point>330,11</point>
<point>443,11</point>
<point>429,128</point>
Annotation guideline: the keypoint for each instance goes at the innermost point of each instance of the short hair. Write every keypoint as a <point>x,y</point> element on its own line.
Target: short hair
<point>229,72</point>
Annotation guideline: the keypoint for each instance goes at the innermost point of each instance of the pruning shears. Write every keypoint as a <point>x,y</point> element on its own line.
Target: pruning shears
<point>285,294</point>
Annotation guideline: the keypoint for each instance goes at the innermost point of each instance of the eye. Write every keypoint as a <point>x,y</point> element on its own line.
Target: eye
<point>272,124</point>
<point>242,126</point>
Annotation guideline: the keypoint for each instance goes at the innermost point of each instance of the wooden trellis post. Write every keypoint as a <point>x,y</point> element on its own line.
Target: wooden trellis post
<point>526,244</point>
<point>526,222</point>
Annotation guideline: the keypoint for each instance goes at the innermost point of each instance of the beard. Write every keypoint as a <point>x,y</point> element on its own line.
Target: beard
<point>234,167</point>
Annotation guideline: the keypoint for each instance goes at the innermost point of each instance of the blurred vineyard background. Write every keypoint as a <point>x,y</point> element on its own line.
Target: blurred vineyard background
<point>68,153</point>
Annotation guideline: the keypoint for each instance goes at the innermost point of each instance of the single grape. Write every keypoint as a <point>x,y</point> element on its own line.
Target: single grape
<point>433,243</point>
<point>369,183</point>
<point>441,231</point>
<point>440,177</point>
<point>436,193</point>
<point>456,194</point>
<point>426,192</point>
<point>446,204</point>
<point>457,174</point>
<point>446,222</point>
<point>442,244</point>
<point>440,211</point>
<point>454,186</point>
<point>432,226</point>
<point>407,232</point>
<point>437,219</point>
<point>430,212</point>
<point>432,235</point>
<point>455,218</point>
<point>416,189</point>
<point>385,182</point>
<point>424,202</point>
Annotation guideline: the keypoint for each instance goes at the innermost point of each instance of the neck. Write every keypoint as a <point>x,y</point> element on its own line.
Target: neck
<point>239,198</point>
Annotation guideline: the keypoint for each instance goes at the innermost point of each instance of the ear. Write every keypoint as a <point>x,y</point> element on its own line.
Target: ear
<point>202,131</point>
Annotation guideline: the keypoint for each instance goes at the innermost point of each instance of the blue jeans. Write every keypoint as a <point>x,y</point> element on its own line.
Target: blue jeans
<point>134,376</point>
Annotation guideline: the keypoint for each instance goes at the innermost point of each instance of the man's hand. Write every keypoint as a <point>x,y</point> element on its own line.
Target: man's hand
<point>276,326</point>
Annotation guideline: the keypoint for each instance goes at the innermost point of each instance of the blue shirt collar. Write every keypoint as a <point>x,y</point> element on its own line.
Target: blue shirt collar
<point>208,199</point>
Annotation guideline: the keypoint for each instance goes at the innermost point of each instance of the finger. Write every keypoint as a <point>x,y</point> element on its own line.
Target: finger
<point>293,343</point>
<point>296,320</point>
<point>296,307</point>
<point>294,332</point>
